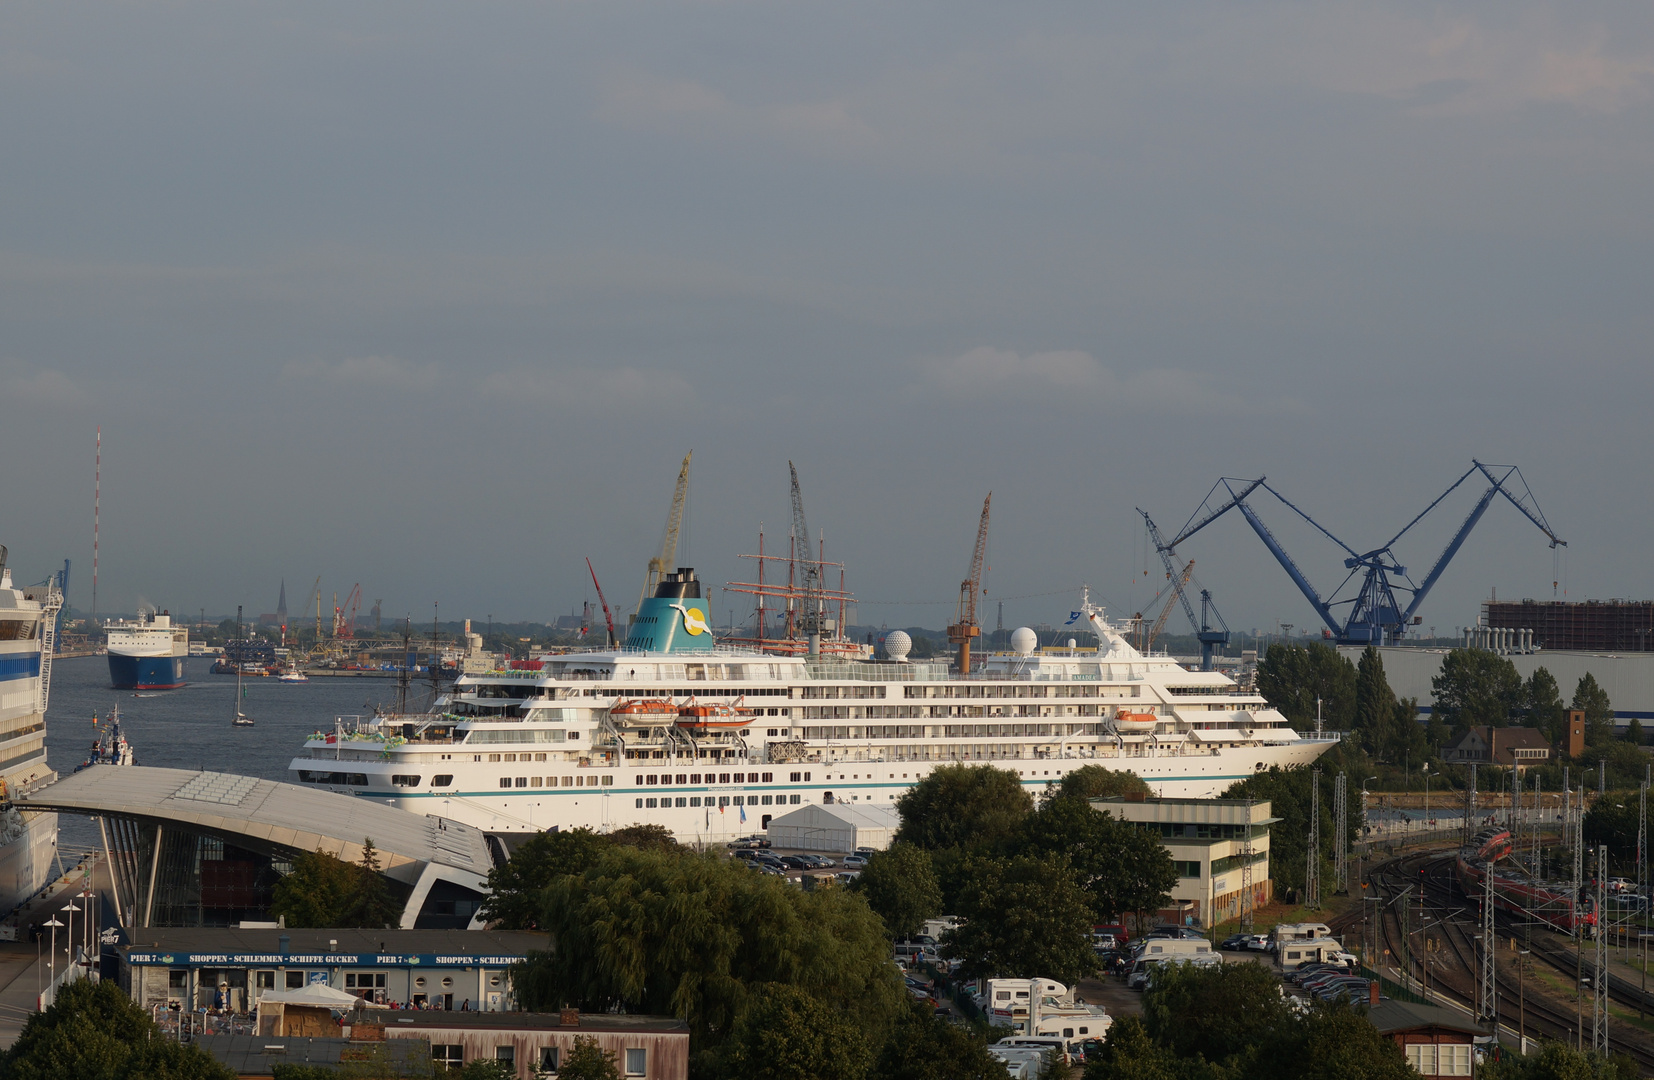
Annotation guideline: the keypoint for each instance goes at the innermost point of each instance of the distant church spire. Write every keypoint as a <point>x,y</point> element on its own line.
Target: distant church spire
<point>281,605</point>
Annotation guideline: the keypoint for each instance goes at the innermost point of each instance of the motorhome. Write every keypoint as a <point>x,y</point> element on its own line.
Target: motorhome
<point>1299,932</point>
<point>1292,955</point>
<point>1142,972</point>
<point>1149,948</point>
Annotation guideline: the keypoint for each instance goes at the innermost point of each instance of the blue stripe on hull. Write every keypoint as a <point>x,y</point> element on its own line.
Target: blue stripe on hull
<point>146,672</point>
<point>26,666</point>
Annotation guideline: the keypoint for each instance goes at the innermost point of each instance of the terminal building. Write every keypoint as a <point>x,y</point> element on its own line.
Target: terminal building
<point>190,848</point>
<point>1213,842</point>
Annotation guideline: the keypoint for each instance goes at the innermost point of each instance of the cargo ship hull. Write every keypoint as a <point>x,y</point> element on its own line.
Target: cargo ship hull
<point>146,672</point>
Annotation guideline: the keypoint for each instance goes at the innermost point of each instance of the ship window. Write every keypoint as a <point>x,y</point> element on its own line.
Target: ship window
<point>740,778</point>
<point>766,800</point>
<point>650,803</point>
<point>737,800</point>
<point>723,778</point>
<point>694,778</point>
<point>534,781</point>
<point>793,799</point>
<point>568,781</point>
<point>682,779</point>
<point>796,776</point>
<point>539,757</point>
<point>640,804</point>
<point>442,780</point>
<point>682,801</point>
<point>666,779</point>
<point>769,777</point>
<point>493,757</point>
<point>608,779</point>
<point>511,757</point>
<point>723,800</point>
<point>522,781</point>
<point>651,779</point>
<point>405,781</point>
<point>695,800</point>
<point>505,781</point>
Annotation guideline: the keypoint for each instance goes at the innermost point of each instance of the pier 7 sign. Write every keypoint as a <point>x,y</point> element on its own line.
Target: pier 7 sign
<point>408,960</point>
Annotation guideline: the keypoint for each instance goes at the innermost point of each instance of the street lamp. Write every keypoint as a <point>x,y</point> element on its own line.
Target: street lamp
<point>51,955</point>
<point>1522,999</point>
<point>68,935</point>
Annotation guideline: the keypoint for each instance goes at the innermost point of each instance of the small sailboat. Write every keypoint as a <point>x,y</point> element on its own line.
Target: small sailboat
<point>241,718</point>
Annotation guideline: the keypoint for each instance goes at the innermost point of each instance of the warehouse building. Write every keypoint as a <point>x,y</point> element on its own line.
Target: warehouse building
<point>837,826</point>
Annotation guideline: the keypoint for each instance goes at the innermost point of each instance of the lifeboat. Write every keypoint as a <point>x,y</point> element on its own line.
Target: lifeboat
<point>644,712</point>
<point>1135,723</point>
<point>717,716</point>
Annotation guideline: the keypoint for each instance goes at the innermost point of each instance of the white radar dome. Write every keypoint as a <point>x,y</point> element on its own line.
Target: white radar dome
<point>1024,640</point>
<point>897,644</point>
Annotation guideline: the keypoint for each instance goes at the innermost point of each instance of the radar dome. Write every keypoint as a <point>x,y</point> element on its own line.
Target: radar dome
<point>897,644</point>
<point>1024,640</point>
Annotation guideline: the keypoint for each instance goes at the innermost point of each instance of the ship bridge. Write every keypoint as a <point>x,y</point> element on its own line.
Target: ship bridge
<point>188,848</point>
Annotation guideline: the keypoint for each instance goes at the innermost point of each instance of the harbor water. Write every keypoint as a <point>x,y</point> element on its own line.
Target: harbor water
<point>190,728</point>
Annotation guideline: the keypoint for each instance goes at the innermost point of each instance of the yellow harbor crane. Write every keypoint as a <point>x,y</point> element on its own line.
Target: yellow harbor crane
<point>666,562</point>
<point>965,627</point>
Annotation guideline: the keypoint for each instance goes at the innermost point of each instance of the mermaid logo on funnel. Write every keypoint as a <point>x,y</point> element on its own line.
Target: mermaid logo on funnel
<point>693,620</point>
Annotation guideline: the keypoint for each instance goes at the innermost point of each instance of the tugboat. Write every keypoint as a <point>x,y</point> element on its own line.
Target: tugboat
<point>110,747</point>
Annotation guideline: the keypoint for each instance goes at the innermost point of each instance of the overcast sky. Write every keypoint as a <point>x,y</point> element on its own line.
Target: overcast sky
<point>434,297</point>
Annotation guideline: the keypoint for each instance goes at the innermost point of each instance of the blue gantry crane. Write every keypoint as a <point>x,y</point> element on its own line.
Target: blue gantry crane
<point>1210,639</point>
<point>1376,614</point>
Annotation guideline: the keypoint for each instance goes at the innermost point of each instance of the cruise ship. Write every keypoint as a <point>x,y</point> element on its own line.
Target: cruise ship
<point>712,741</point>
<point>147,653</point>
<point>28,840</point>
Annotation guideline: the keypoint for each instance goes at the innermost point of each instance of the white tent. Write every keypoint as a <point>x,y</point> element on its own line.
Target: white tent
<point>319,995</point>
<point>835,827</point>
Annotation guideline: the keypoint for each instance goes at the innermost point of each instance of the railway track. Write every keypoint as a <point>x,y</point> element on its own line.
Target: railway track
<point>1437,905</point>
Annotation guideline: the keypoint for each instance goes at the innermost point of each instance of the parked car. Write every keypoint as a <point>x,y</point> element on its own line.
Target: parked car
<point>845,877</point>
<point>795,862</point>
<point>1260,943</point>
<point>819,862</point>
<point>1234,941</point>
<point>855,862</point>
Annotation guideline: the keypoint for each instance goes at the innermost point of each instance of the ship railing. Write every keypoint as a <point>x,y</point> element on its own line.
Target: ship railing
<point>1321,736</point>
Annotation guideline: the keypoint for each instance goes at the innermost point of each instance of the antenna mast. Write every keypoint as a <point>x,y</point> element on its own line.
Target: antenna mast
<point>97,495</point>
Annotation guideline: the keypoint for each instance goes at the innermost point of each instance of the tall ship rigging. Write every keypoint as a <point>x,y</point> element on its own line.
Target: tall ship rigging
<point>28,638</point>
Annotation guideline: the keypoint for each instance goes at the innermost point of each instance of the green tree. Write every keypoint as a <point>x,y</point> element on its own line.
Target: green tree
<point>1292,677</point>
<point>370,902</point>
<point>1559,1061</point>
<point>1599,711</point>
<point>648,837</point>
<point>1476,687</point>
<point>923,1046</point>
<point>516,886</point>
<point>1634,732</point>
<point>1025,918</point>
<point>588,1061</point>
<point>1375,703</point>
<point>1122,867</point>
<point>1543,701</point>
<point>1096,782</point>
<point>1338,1042</point>
<point>788,1034</point>
<point>319,892</point>
<point>1221,1013</point>
<point>963,806</point>
<point>93,1031</point>
<point>684,934</point>
<point>901,888</point>
<point>1130,1054</point>
<point>1288,792</point>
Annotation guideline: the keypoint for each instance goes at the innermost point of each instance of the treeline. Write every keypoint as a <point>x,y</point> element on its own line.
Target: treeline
<point>1231,1022</point>
<point>1028,882</point>
<point>774,981</point>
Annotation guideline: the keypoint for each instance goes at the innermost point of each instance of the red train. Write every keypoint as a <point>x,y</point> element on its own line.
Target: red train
<point>1516,893</point>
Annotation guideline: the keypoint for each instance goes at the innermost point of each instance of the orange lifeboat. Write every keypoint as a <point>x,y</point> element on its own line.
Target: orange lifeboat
<point>644,712</point>
<point>717,716</point>
<point>1135,723</point>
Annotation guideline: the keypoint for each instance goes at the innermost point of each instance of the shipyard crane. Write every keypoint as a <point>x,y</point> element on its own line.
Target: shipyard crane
<point>1376,614</point>
<point>806,574</point>
<point>316,599</point>
<point>344,618</point>
<point>666,561</point>
<point>965,626</point>
<point>1210,640</point>
<point>610,619</point>
<point>1178,584</point>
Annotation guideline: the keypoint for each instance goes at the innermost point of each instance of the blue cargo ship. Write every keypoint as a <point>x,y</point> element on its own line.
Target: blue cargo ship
<point>147,653</point>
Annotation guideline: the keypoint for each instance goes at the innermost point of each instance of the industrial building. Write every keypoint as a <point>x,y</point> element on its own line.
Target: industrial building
<point>1220,848</point>
<point>1591,626</point>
